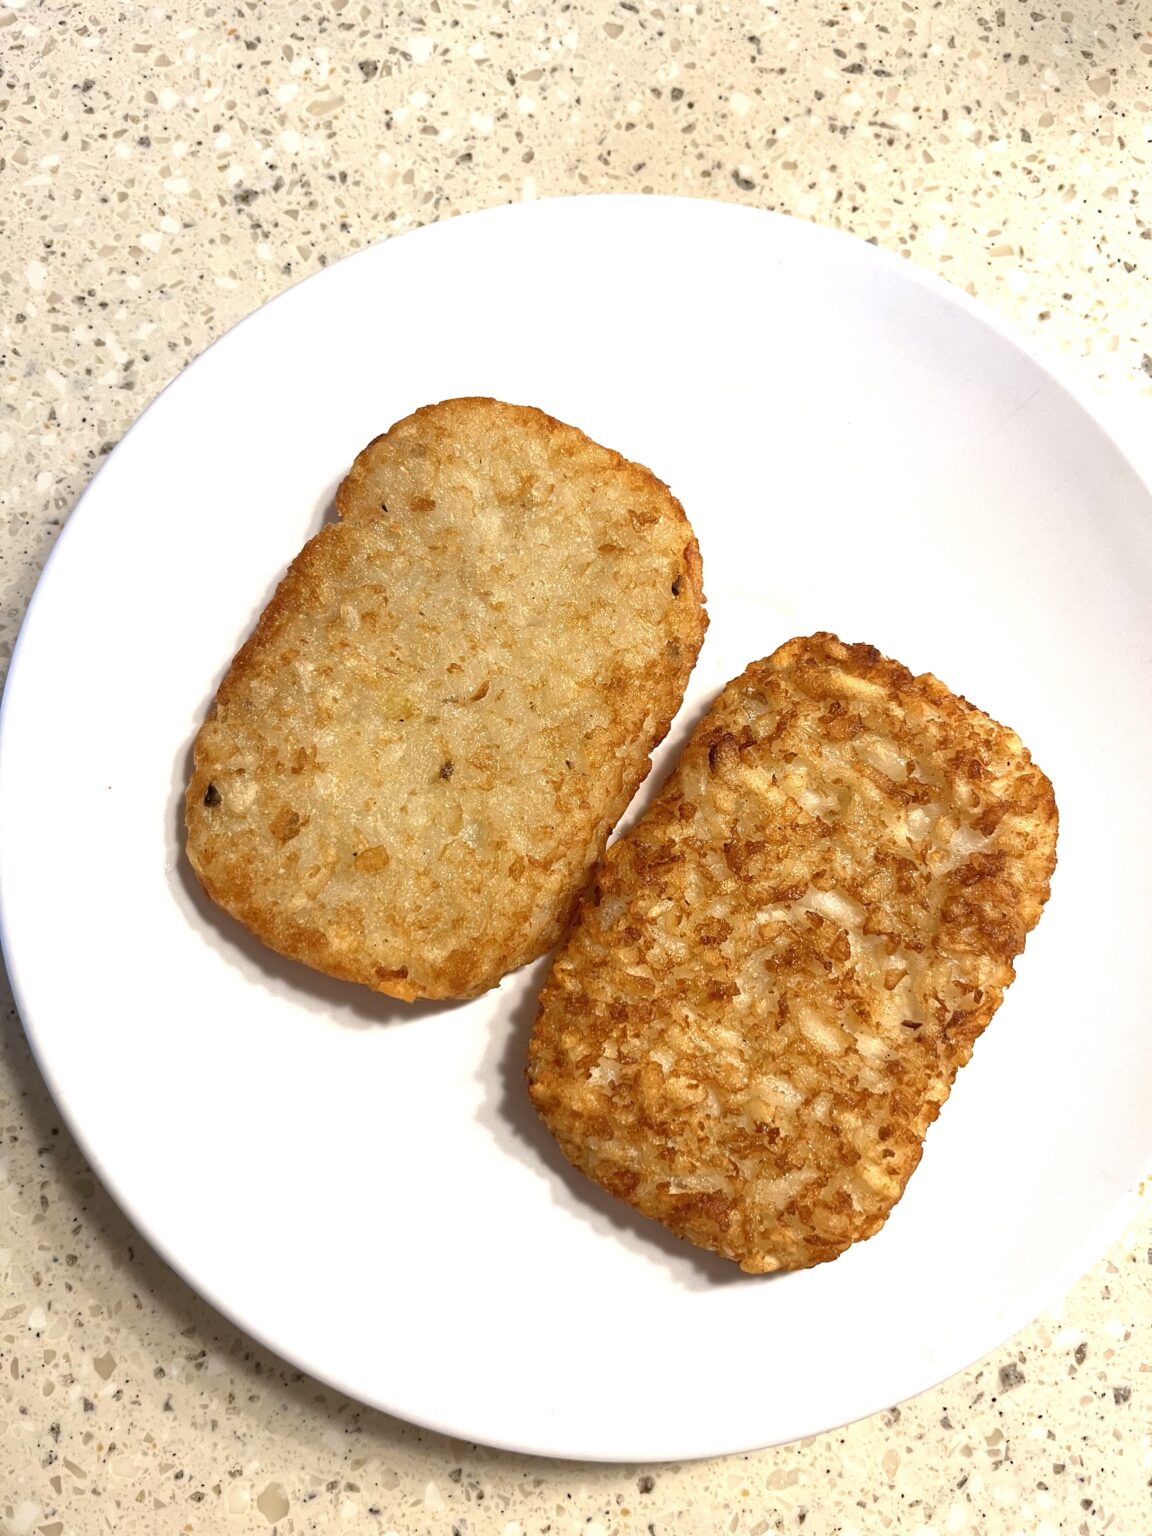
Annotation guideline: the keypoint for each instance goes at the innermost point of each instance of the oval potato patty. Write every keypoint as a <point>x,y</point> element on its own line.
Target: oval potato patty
<point>776,974</point>
<point>416,758</point>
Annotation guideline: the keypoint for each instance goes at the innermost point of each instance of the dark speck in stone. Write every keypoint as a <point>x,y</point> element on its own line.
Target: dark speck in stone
<point>1080,1354</point>
<point>211,795</point>
<point>369,68</point>
<point>743,182</point>
<point>676,93</point>
<point>1011,1376</point>
<point>1121,1394</point>
<point>144,141</point>
<point>646,1483</point>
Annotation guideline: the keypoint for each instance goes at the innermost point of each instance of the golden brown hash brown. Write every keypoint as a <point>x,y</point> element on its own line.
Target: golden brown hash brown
<point>776,974</point>
<point>419,754</point>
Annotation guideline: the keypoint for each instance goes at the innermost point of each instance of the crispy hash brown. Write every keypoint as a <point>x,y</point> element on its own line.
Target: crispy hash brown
<point>419,754</point>
<point>776,974</point>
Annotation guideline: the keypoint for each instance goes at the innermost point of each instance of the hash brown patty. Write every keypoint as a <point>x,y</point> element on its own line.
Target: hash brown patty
<point>777,972</point>
<point>414,761</point>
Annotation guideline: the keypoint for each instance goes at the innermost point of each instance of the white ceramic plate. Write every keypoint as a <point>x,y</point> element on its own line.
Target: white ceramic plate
<point>363,1185</point>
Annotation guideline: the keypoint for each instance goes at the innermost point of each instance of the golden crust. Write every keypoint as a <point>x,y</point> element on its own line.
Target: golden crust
<point>418,755</point>
<point>776,974</point>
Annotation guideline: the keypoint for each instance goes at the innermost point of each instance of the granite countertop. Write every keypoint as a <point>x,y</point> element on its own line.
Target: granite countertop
<point>163,170</point>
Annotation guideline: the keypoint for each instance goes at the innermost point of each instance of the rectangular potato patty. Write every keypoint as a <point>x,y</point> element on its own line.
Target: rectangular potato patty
<point>413,763</point>
<point>776,974</point>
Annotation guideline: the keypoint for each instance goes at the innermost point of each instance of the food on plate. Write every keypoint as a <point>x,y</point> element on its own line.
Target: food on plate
<point>414,761</point>
<point>775,975</point>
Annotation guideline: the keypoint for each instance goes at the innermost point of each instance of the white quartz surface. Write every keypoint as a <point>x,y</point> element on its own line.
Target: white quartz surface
<point>165,169</point>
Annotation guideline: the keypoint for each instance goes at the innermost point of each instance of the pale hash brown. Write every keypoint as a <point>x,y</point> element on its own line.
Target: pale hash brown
<point>776,974</point>
<point>416,758</point>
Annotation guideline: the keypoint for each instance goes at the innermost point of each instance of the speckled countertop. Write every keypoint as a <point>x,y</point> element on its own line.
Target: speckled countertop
<point>164,169</point>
